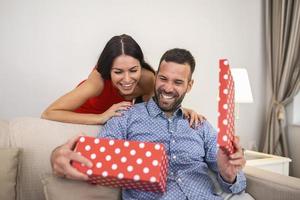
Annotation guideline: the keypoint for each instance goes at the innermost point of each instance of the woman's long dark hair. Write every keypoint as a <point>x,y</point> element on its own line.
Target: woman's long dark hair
<point>116,46</point>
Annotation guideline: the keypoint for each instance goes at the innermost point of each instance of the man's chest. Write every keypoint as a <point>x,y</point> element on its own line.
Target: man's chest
<point>176,135</point>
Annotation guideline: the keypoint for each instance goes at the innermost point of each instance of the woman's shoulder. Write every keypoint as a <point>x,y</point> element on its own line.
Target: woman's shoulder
<point>147,80</point>
<point>148,72</point>
<point>147,76</point>
<point>95,82</point>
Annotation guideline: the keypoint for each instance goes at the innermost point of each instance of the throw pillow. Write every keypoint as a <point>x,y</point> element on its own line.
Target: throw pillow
<point>56,188</point>
<point>9,159</point>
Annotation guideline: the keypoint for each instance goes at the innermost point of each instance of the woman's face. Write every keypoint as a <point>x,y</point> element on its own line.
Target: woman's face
<point>125,74</point>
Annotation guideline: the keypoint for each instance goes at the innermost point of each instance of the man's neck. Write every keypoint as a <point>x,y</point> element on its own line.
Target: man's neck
<point>169,114</point>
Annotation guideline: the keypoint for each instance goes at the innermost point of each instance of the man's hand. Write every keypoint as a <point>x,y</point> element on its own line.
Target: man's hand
<point>230,165</point>
<point>61,159</point>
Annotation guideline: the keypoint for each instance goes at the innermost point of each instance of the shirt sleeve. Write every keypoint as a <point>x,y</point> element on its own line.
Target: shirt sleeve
<point>210,145</point>
<point>115,128</point>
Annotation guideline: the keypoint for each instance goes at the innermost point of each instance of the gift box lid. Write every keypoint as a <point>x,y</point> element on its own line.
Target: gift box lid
<point>226,115</point>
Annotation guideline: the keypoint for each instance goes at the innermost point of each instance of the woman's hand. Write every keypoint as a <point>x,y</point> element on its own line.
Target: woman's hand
<point>115,110</point>
<point>193,117</point>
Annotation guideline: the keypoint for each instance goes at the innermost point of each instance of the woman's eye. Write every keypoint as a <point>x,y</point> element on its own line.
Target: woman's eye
<point>117,72</point>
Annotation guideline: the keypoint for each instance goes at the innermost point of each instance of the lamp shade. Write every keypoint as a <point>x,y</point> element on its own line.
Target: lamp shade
<point>242,91</point>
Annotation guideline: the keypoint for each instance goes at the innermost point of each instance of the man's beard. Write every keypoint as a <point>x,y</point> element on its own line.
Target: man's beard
<point>173,106</point>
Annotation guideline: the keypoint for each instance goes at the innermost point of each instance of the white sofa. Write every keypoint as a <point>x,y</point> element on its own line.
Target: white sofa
<point>37,138</point>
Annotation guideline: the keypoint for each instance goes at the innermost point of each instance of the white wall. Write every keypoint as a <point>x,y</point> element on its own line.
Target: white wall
<point>47,47</point>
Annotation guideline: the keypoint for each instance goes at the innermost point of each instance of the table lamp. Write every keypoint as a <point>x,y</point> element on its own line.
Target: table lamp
<point>242,88</point>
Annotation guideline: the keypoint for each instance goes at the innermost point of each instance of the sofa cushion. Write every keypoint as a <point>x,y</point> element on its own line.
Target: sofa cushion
<point>37,138</point>
<point>9,159</point>
<point>263,184</point>
<point>56,188</point>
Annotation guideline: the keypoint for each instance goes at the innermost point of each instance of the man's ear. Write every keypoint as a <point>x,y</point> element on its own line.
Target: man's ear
<point>190,85</point>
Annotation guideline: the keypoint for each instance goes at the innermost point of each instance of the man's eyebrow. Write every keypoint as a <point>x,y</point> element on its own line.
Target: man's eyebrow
<point>162,76</point>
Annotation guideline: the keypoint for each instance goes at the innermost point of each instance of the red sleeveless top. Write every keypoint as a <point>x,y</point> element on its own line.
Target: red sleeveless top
<point>101,103</point>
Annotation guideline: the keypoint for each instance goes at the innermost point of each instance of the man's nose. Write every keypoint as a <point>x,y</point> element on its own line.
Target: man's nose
<point>168,87</point>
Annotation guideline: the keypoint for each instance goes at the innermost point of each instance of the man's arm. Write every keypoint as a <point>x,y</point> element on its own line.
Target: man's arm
<point>227,168</point>
<point>230,165</point>
<point>230,169</point>
<point>62,156</point>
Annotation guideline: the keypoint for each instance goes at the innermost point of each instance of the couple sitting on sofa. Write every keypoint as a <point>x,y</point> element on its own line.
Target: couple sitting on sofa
<point>192,150</point>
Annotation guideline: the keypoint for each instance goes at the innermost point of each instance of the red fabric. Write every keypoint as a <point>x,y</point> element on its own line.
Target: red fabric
<point>120,163</point>
<point>99,104</point>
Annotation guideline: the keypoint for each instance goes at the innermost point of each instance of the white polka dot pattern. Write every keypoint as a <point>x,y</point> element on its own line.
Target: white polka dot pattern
<point>93,156</point>
<point>89,172</point>
<point>127,164</point>
<point>114,166</point>
<point>82,139</point>
<point>87,147</point>
<point>226,108</point>
<point>96,141</point>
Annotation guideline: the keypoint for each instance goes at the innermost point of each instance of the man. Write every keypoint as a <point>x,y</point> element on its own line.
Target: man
<point>191,151</point>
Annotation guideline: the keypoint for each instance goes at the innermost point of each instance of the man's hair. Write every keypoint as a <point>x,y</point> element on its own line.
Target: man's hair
<point>180,56</point>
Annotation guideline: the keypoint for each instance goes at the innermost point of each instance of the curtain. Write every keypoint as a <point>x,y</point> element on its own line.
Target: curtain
<point>282,18</point>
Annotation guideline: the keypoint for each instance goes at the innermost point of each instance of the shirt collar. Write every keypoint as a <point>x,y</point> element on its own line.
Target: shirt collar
<point>154,110</point>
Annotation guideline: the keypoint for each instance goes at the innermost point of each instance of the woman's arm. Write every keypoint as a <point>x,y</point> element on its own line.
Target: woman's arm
<point>62,109</point>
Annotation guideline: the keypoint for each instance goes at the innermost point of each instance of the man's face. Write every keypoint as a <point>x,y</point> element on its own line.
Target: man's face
<point>171,84</point>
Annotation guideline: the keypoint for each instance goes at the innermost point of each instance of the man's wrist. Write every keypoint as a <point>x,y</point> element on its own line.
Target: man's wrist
<point>227,179</point>
<point>52,154</point>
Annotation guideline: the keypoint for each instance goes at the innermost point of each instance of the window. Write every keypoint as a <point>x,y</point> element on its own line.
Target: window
<point>296,110</point>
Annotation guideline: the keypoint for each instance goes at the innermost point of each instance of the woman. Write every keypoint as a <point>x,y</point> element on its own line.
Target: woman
<point>120,77</point>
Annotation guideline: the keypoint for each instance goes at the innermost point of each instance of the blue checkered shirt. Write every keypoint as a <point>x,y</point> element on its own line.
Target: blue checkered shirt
<point>190,151</point>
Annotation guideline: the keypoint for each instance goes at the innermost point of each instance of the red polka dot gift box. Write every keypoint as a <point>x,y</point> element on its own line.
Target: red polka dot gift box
<point>121,163</point>
<point>226,108</point>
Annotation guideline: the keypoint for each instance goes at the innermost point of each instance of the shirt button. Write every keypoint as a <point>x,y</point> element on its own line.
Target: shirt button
<point>174,157</point>
<point>171,131</point>
<point>170,120</point>
<point>173,141</point>
<point>179,180</point>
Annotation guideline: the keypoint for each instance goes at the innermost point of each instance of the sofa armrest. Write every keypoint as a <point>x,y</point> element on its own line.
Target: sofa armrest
<point>263,184</point>
<point>37,138</point>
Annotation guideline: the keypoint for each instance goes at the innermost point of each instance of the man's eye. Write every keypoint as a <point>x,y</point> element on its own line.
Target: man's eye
<point>178,82</point>
<point>133,70</point>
